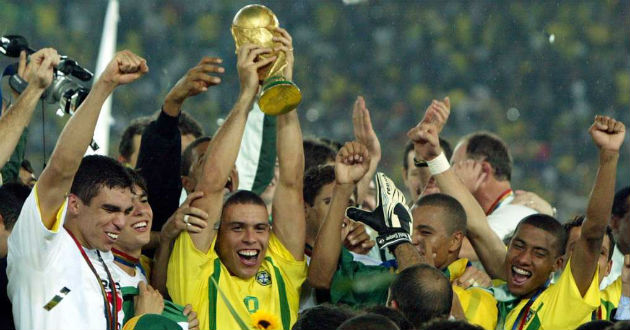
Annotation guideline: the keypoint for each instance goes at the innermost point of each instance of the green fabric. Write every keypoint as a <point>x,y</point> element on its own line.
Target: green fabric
<point>128,293</point>
<point>285,311</point>
<point>212,294</point>
<point>267,157</point>
<point>11,170</point>
<point>359,285</point>
<point>506,301</point>
<point>535,324</point>
<point>156,322</point>
<point>172,311</point>
<point>609,309</point>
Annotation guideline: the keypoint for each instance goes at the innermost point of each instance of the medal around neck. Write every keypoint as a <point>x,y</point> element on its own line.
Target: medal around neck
<point>254,24</point>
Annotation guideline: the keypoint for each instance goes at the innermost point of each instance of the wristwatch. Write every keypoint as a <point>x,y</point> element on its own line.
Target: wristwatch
<point>420,163</point>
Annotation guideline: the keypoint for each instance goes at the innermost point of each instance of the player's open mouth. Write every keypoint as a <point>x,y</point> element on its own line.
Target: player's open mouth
<point>112,236</point>
<point>520,275</point>
<point>248,257</point>
<point>140,226</point>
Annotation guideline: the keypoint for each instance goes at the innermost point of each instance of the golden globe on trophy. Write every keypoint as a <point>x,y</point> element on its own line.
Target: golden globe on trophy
<point>254,24</point>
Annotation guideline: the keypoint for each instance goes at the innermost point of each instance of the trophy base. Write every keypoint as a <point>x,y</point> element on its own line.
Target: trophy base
<point>279,96</point>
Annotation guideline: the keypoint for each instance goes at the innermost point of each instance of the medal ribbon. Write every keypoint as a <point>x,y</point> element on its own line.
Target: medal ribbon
<point>308,250</point>
<point>499,200</point>
<point>127,260</point>
<point>597,314</point>
<point>522,315</point>
<point>111,316</point>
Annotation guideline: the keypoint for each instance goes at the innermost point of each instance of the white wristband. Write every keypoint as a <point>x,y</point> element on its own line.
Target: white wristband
<point>438,164</point>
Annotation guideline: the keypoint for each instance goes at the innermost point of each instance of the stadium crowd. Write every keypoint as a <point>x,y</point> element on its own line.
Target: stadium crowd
<point>255,227</point>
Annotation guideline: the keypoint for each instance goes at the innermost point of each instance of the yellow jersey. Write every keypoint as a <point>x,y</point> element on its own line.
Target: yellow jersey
<point>559,306</point>
<point>478,304</point>
<point>609,299</point>
<point>272,294</point>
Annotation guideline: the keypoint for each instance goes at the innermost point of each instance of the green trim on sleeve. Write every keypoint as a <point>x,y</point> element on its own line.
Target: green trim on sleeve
<point>610,306</point>
<point>215,283</point>
<point>285,310</point>
<point>212,294</point>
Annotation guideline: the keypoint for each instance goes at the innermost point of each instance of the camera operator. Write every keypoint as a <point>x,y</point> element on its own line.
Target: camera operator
<point>39,74</point>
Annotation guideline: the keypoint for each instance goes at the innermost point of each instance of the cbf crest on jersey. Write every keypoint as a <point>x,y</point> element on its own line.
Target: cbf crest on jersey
<point>263,278</point>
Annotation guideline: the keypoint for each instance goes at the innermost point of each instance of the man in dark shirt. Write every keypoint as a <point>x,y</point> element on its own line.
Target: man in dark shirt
<point>12,196</point>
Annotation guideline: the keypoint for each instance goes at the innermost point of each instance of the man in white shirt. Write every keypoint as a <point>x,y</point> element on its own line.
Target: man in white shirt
<point>483,162</point>
<point>59,257</point>
<point>493,190</point>
<point>620,224</point>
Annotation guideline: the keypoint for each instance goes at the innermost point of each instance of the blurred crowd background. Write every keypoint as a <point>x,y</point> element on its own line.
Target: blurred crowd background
<point>534,72</point>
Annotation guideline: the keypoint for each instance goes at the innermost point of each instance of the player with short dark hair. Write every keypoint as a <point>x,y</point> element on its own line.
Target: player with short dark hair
<point>422,293</point>
<point>537,248</point>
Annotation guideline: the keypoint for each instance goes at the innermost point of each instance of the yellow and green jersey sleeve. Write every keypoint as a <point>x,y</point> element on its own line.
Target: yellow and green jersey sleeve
<point>609,299</point>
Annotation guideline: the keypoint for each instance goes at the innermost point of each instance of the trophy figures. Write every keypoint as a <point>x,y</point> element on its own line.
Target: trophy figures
<point>254,24</point>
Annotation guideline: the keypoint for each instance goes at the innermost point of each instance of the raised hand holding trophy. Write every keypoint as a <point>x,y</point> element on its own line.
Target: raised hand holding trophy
<point>256,24</point>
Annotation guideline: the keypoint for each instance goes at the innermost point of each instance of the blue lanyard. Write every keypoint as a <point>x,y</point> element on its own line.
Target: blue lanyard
<point>522,315</point>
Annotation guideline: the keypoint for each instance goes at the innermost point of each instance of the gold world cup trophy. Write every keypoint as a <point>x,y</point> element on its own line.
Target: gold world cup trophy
<point>254,24</point>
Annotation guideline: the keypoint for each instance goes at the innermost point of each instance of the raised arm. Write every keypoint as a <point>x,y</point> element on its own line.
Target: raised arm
<point>487,244</point>
<point>12,150</point>
<point>351,164</point>
<point>16,118</point>
<point>223,148</point>
<point>56,179</point>
<point>197,80</point>
<point>608,135</point>
<point>288,223</point>
<point>364,134</point>
<point>159,158</point>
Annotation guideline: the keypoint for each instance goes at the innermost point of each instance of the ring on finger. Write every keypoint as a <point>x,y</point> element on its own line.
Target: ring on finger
<point>186,219</point>
<point>187,225</point>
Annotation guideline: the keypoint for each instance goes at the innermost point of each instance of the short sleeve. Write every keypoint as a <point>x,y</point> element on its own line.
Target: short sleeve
<point>186,269</point>
<point>30,240</point>
<point>564,306</point>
